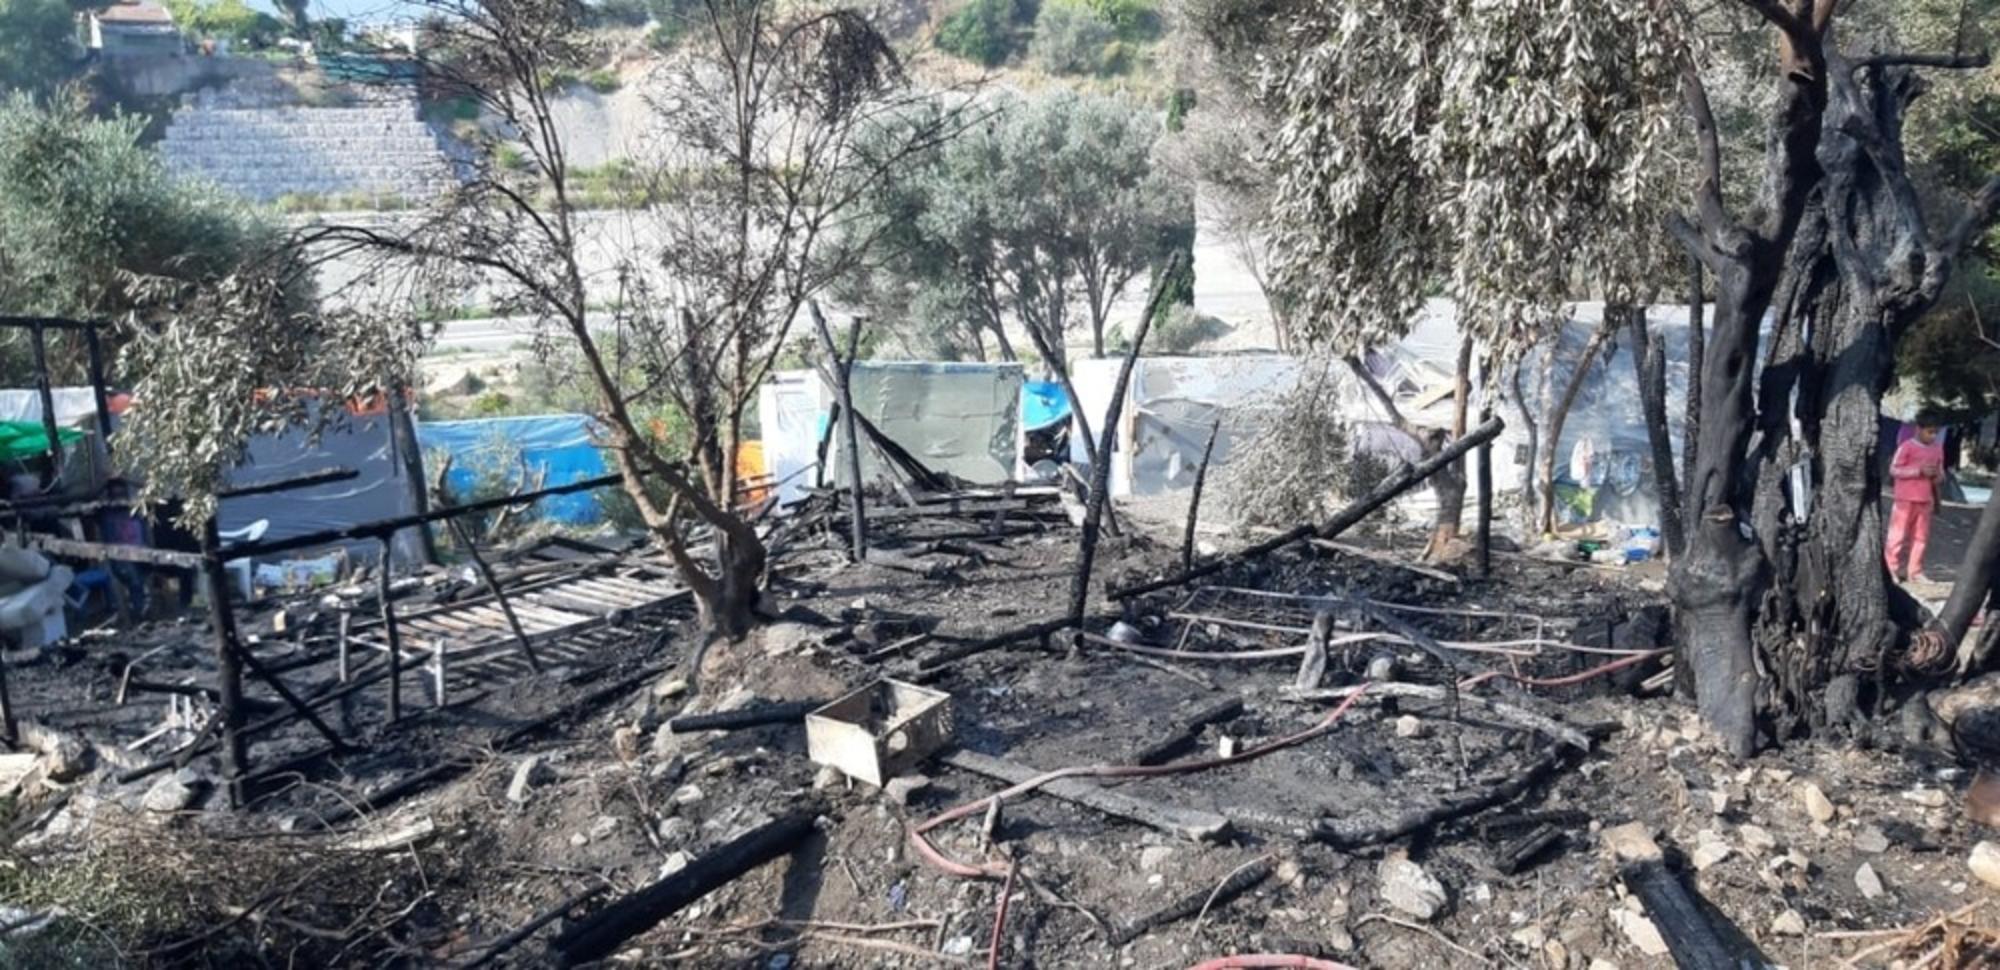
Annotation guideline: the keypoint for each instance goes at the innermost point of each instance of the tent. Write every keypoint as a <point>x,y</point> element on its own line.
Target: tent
<point>362,442</point>
<point>1171,403</point>
<point>556,449</point>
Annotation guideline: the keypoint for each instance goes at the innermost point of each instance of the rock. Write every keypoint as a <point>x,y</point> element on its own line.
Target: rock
<point>1985,863</point>
<point>1406,886</point>
<point>1339,940</point>
<point>1599,963</point>
<point>1125,633</point>
<point>666,743</point>
<point>827,777</point>
<point>670,687</point>
<point>781,639</point>
<point>687,794</point>
<point>1555,953</point>
<point>1382,668</point>
<point>65,757</point>
<point>1289,873</point>
<point>1641,932</point>
<point>602,827</point>
<point>905,787</point>
<point>957,946</point>
<point>675,831</point>
<point>169,794</point>
<point>675,862</point>
<point>1870,839</point>
<point>1409,726</point>
<point>1927,797</point>
<point>1816,803</point>
<point>1707,854</point>
<point>1789,923</point>
<point>1228,746</point>
<point>625,742</point>
<point>1530,937</point>
<point>578,840</point>
<point>1154,856</point>
<point>531,773</point>
<point>1867,881</point>
<point>1756,838</point>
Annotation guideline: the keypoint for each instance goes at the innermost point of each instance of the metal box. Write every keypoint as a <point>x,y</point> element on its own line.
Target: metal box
<point>879,729</point>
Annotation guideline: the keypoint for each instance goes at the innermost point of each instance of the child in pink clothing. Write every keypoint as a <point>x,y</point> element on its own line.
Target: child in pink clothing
<point>1916,471</point>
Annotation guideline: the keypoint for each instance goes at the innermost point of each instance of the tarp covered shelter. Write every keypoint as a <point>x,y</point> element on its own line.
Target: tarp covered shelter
<point>1171,403</point>
<point>962,419</point>
<point>362,442</point>
<point>549,449</point>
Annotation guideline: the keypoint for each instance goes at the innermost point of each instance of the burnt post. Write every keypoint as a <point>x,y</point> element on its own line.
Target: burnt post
<point>1194,500</point>
<point>394,637</point>
<point>229,667</point>
<point>94,357</point>
<point>1482,469</point>
<point>1100,473</point>
<point>842,370</point>
<point>38,340</point>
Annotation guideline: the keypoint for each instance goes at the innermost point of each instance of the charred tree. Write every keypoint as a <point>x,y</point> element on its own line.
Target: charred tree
<point>1649,361</point>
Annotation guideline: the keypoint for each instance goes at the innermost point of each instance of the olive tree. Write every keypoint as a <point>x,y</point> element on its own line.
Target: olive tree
<point>756,162</point>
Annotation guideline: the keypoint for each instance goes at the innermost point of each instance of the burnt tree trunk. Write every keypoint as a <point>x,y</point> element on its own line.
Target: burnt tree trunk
<point>1545,485</point>
<point>1449,485</point>
<point>1974,586</point>
<point>1649,362</point>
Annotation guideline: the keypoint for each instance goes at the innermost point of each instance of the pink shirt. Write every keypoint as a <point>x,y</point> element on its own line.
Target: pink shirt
<point>1909,471</point>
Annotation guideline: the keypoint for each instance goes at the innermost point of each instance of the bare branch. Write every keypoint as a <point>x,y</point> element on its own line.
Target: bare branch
<point>1947,61</point>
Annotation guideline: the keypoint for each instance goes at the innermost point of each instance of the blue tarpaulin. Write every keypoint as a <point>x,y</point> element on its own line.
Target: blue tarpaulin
<point>1043,403</point>
<point>558,444</point>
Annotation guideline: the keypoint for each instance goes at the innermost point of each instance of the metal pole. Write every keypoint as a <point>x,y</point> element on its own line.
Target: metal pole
<point>38,340</point>
<point>395,640</point>
<point>94,352</point>
<point>229,669</point>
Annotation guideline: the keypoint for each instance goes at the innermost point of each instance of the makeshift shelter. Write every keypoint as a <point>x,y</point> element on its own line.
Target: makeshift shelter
<point>1171,404</point>
<point>536,451</point>
<point>360,440</point>
<point>960,419</point>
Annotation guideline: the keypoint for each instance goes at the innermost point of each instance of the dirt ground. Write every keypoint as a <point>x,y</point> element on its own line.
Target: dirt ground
<point>607,800</point>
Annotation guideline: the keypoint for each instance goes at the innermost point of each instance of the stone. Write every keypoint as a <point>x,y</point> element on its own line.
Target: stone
<point>1985,863</point>
<point>668,688</point>
<point>1407,887</point>
<point>530,774</point>
<point>1599,963</point>
<point>1555,953</point>
<point>579,840</point>
<point>903,788</point>
<point>666,743</point>
<point>1125,633</point>
<point>1289,873</point>
<point>1154,856</point>
<point>1756,838</point>
<point>65,757</point>
<point>1708,854</point>
<point>1718,801</point>
<point>1338,939</point>
<point>1530,937</point>
<point>1382,668</point>
<point>675,862</point>
<point>957,946</point>
<point>1640,932</point>
<point>1927,797</point>
<point>827,777</point>
<point>1871,839</point>
<point>169,794</point>
<point>602,827</point>
<point>1228,746</point>
<point>1409,726</point>
<point>782,639</point>
<point>687,794</point>
<point>675,831</point>
<point>1789,923</point>
<point>1818,806</point>
<point>1867,881</point>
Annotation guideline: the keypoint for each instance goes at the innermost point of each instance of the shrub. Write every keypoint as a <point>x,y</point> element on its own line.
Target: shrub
<point>1297,467</point>
<point>621,13</point>
<point>981,31</point>
<point>603,80</point>
<point>1131,18</point>
<point>1070,38</point>
<point>1180,329</point>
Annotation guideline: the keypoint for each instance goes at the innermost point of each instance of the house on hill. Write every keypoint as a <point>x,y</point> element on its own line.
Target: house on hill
<point>134,29</point>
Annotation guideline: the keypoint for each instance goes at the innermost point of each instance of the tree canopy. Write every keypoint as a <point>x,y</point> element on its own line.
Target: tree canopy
<point>38,48</point>
<point>1045,214</point>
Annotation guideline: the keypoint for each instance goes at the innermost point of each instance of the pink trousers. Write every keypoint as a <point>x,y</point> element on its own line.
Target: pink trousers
<point>1909,532</point>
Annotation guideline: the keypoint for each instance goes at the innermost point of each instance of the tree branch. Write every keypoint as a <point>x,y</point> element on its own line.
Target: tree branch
<point>1905,59</point>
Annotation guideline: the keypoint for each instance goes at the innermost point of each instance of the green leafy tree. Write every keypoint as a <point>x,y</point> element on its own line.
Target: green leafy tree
<point>83,208</point>
<point>1070,38</point>
<point>38,48</point>
<point>982,31</point>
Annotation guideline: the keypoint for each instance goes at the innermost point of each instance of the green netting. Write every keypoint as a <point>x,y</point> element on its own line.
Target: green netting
<point>27,439</point>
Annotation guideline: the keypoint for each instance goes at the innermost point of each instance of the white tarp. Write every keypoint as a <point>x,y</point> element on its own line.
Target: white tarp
<point>75,406</point>
<point>791,413</point>
<point>381,491</point>
<point>958,418</point>
<point>1171,404</point>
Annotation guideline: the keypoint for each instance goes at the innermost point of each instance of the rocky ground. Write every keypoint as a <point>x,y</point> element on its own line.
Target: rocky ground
<point>1808,855</point>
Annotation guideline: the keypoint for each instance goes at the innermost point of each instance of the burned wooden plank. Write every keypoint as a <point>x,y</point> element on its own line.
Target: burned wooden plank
<point>1189,732</point>
<point>600,934</point>
<point>1192,904</point>
<point>1691,938</point>
<point>787,713</point>
<point>1189,823</point>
